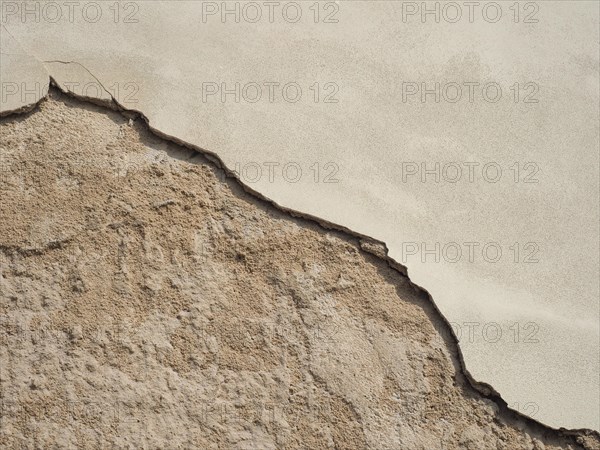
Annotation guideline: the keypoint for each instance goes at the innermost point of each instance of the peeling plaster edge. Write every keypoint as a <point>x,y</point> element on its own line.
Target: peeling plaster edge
<point>366,243</point>
<point>22,109</point>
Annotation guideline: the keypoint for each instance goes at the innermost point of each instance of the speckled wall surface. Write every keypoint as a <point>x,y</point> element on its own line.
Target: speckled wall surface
<point>468,144</point>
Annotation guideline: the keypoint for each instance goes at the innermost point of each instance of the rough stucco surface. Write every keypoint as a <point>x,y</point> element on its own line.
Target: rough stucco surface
<point>542,292</point>
<point>148,302</point>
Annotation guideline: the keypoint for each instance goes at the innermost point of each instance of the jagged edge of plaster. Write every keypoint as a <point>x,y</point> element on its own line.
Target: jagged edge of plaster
<point>484,389</point>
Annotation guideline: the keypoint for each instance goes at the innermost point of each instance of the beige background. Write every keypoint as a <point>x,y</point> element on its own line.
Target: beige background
<point>158,65</point>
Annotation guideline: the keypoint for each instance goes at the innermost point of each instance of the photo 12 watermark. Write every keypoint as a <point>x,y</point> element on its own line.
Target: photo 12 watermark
<point>469,172</point>
<point>125,92</point>
<point>470,12</point>
<point>469,252</point>
<point>29,174</point>
<point>526,408</point>
<point>494,332</point>
<point>269,92</point>
<point>69,12</point>
<point>490,92</point>
<point>233,12</point>
<point>287,172</point>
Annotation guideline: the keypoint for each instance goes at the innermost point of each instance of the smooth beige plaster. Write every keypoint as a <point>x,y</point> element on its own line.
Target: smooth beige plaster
<point>23,79</point>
